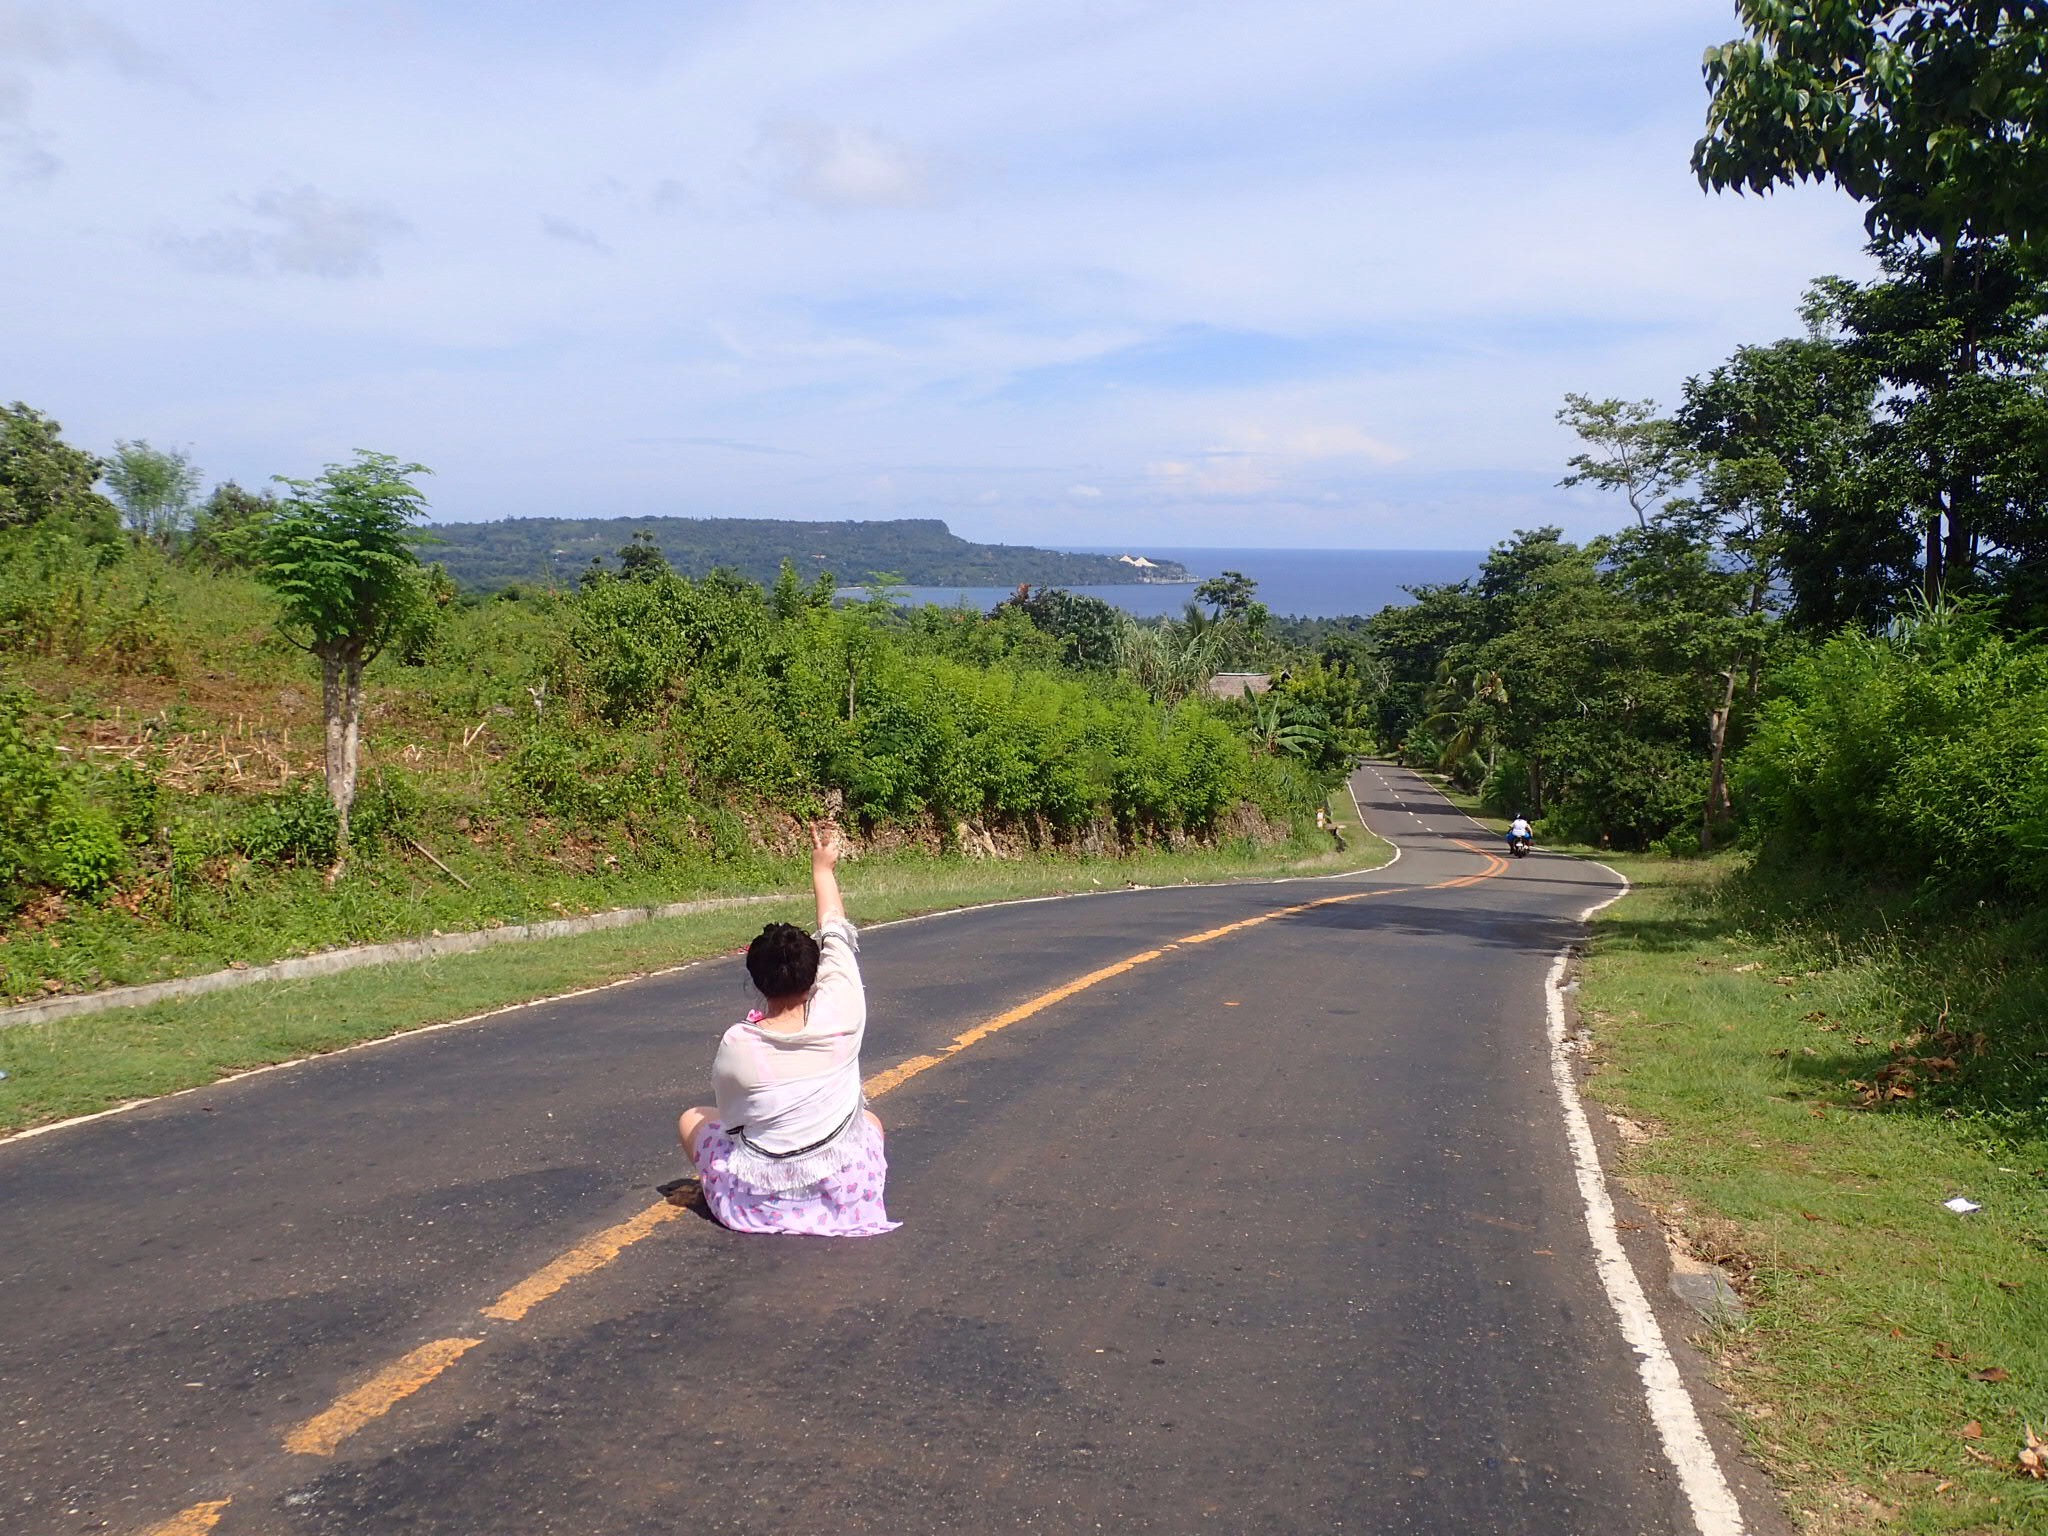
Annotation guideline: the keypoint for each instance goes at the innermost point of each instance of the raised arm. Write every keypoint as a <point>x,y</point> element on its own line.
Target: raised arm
<point>827,843</point>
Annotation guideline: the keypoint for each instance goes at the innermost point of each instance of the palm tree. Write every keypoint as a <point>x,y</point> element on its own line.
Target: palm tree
<point>1281,729</point>
<point>1464,707</point>
<point>1168,660</point>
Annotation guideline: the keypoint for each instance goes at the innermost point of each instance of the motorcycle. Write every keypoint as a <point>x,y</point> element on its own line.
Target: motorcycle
<point>1519,846</point>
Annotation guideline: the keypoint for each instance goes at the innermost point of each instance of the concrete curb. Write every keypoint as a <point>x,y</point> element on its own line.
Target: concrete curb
<point>329,962</point>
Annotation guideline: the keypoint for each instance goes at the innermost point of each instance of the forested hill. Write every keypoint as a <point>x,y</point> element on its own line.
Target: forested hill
<point>922,552</point>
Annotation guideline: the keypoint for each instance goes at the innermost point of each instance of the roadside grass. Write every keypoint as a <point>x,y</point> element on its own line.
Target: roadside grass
<point>1894,1353</point>
<point>94,1061</point>
<point>257,916</point>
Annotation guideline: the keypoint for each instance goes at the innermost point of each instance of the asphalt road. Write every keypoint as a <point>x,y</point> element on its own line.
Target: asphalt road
<point>1272,1232</point>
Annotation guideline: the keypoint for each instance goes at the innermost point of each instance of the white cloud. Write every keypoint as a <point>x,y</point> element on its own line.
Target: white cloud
<point>1084,492</point>
<point>569,232</point>
<point>1307,442</point>
<point>840,167</point>
<point>1223,477</point>
<point>67,34</point>
<point>1332,263</point>
<point>51,36</point>
<point>306,231</point>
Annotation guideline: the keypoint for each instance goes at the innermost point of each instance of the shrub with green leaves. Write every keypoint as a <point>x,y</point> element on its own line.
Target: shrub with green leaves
<point>83,852</point>
<point>51,834</point>
<point>296,826</point>
<point>31,789</point>
<point>1922,754</point>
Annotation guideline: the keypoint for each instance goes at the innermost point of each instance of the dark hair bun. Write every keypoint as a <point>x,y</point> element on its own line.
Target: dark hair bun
<point>783,961</point>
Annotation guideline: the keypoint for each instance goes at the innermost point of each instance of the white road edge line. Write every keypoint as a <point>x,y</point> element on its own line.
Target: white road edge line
<point>1715,1510</point>
<point>1351,788</point>
<point>397,1036</point>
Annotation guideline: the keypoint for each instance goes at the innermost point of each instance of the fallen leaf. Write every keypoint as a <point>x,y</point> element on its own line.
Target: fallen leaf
<point>1976,1455</point>
<point>1946,1352</point>
<point>1974,1430</point>
<point>1811,1215</point>
<point>1992,1373</point>
<point>2008,1285</point>
<point>1754,965</point>
<point>1816,1017</point>
<point>2034,1457</point>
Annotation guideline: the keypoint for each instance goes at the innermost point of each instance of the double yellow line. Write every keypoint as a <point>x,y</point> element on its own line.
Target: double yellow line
<point>324,1432</point>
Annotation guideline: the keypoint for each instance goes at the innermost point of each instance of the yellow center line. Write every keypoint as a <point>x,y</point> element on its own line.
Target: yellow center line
<point>196,1521</point>
<point>591,1253</point>
<point>322,1434</point>
<point>319,1435</point>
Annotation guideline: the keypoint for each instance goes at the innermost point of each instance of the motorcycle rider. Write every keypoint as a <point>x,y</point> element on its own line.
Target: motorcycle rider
<point>1519,832</point>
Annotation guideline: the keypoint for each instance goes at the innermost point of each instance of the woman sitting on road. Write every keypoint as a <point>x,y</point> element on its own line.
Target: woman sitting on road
<point>790,1146</point>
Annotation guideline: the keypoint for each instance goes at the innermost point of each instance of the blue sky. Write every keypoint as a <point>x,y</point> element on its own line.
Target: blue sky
<point>1057,271</point>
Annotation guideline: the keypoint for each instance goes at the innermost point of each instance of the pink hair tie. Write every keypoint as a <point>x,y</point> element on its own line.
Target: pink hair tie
<point>755,1015</point>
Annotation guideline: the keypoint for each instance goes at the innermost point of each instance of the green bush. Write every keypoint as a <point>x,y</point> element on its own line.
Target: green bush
<point>1921,754</point>
<point>83,853</point>
<point>389,805</point>
<point>136,797</point>
<point>296,826</point>
<point>31,788</point>
<point>1620,792</point>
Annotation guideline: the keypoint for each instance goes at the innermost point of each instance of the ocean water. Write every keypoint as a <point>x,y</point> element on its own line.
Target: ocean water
<point>1303,583</point>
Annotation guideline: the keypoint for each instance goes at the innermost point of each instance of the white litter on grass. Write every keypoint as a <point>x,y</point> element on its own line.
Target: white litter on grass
<point>1961,1206</point>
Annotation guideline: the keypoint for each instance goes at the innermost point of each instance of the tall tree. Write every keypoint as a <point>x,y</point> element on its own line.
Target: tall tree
<point>227,527</point>
<point>1931,112</point>
<point>641,558</point>
<point>1785,431</point>
<point>42,477</point>
<point>1086,627</point>
<point>339,553</point>
<point>1960,340</point>
<point>1232,595</point>
<point>1630,448</point>
<point>155,487</point>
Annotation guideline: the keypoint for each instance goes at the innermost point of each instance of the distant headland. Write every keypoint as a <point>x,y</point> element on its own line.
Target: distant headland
<point>920,552</point>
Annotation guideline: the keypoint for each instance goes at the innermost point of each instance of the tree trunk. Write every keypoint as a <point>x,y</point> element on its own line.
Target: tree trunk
<point>341,698</point>
<point>1717,763</point>
<point>1931,575</point>
<point>1956,561</point>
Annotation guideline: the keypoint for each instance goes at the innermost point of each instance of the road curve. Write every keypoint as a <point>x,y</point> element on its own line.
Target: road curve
<point>1269,1227</point>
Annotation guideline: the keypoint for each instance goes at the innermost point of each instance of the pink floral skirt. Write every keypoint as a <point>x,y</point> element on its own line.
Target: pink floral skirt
<point>843,1204</point>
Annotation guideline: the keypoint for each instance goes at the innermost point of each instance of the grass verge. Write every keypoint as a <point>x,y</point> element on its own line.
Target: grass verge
<point>1895,1353</point>
<point>94,1061</point>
